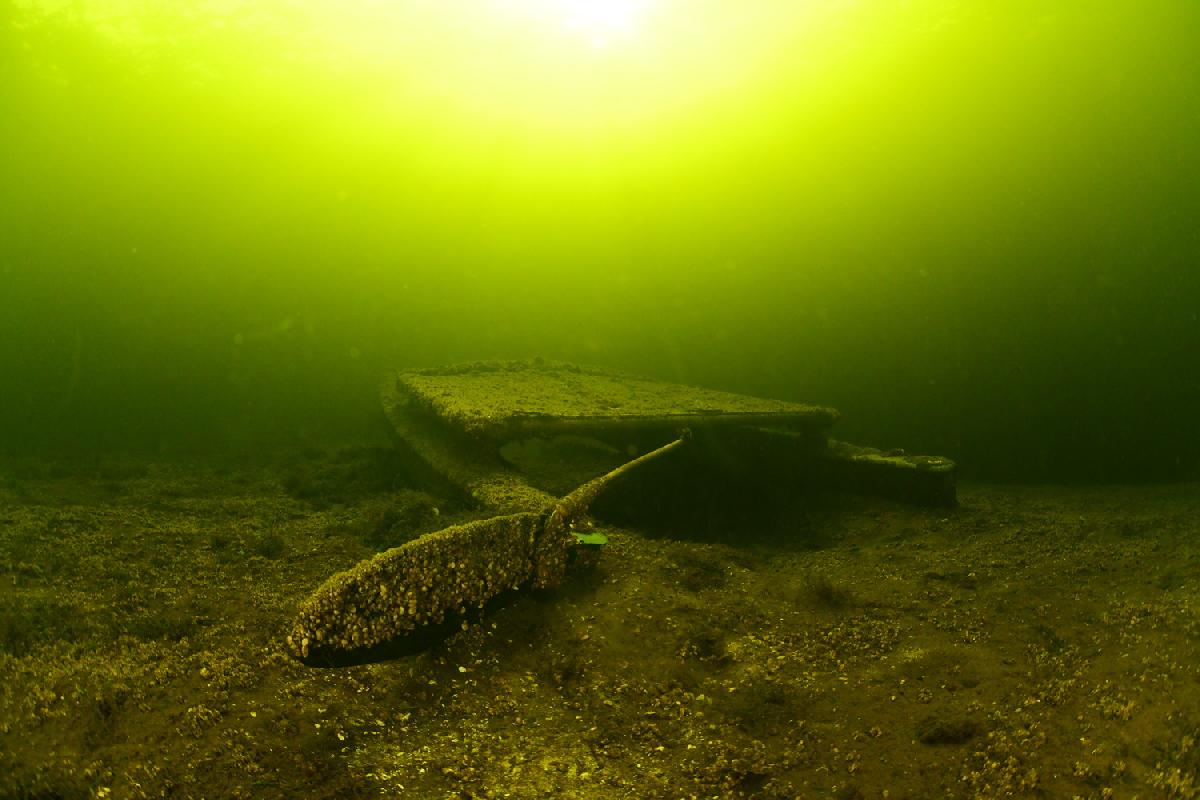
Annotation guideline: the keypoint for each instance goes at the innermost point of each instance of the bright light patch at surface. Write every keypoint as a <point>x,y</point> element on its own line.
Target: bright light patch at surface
<point>549,70</point>
<point>599,22</point>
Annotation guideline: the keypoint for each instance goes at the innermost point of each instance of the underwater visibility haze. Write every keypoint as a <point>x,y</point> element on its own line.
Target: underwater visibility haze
<point>968,233</point>
<point>971,227</point>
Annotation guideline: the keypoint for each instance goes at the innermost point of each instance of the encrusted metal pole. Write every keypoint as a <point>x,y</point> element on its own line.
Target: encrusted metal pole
<point>446,572</point>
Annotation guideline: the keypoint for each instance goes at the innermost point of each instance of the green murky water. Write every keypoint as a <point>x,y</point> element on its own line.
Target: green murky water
<point>972,227</point>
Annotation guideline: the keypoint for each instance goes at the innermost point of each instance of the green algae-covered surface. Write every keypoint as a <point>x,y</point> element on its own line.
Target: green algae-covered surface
<point>1035,642</point>
<point>502,399</point>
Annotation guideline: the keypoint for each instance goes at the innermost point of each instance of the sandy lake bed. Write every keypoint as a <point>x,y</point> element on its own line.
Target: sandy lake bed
<point>1033,642</point>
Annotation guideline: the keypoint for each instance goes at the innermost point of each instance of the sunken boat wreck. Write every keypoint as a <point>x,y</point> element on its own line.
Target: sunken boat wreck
<point>538,446</point>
